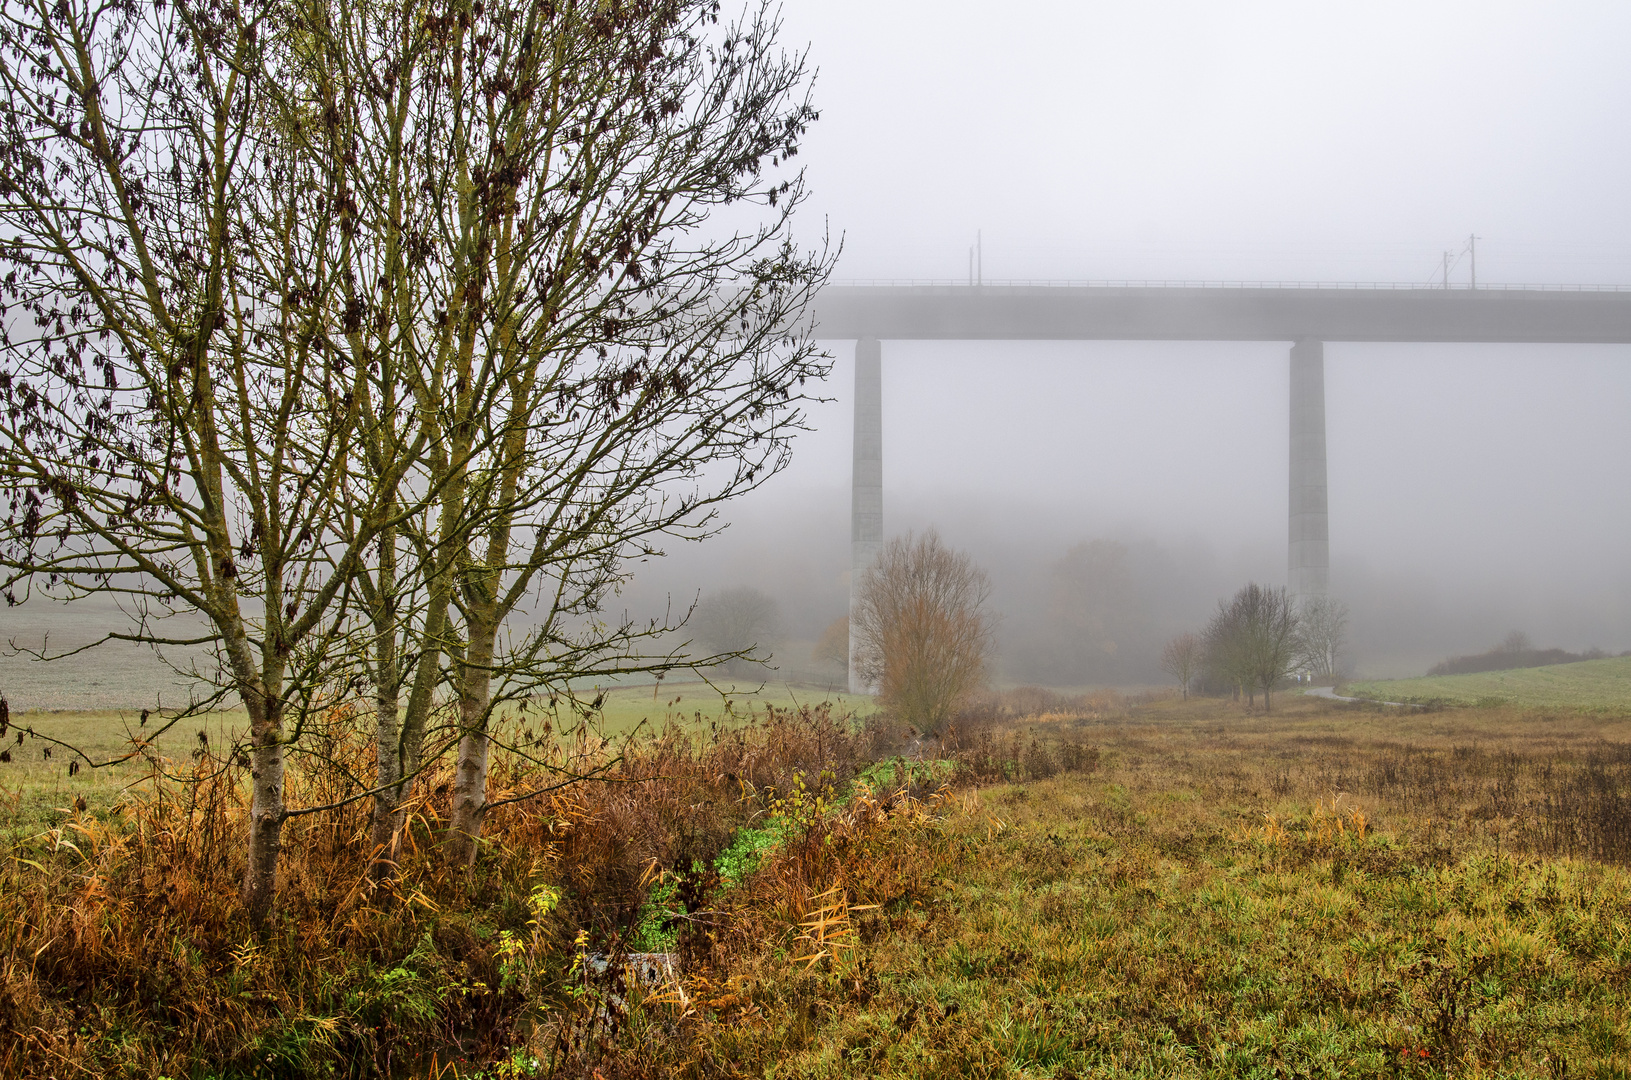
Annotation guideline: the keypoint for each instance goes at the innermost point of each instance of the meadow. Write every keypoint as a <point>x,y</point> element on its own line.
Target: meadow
<point>1059,887</point>
<point>38,786</point>
<point>1316,892</point>
<point>625,708</point>
<point>1590,684</point>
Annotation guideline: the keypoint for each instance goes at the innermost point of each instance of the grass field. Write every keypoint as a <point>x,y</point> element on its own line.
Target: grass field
<point>626,707</point>
<point>1108,888</point>
<point>1319,892</point>
<point>37,784</point>
<point>1591,684</point>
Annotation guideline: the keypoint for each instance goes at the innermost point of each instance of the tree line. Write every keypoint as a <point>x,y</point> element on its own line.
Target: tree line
<point>366,345</point>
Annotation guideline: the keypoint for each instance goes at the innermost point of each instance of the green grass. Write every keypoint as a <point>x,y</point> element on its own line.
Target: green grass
<point>1590,684</point>
<point>1069,944</point>
<point>36,789</point>
<point>697,703</point>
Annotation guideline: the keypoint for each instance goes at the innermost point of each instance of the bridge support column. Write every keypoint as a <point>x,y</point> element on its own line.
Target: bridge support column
<point>1310,549</point>
<point>866,486</point>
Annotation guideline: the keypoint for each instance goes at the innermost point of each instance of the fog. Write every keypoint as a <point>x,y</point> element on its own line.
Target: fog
<point>1245,141</point>
<point>1474,489</point>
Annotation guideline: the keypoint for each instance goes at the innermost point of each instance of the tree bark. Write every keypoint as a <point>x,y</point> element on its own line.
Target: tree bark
<point>387,713</point>
<point>388,775</point>
<point>266,810</point>
<point>470,774</point>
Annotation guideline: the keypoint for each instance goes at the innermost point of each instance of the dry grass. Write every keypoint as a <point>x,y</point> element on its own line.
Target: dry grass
<point>1320,891</point>
<point>125,951</point>
<point>1054,887</point>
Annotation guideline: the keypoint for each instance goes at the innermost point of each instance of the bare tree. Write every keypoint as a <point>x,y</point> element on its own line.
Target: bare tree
<point>1323,624</point>
<point>600,361</point>
<point>1275,643</point>
<point>422,318</point>
<point>1253,639</point>
<point>737,623</point>
<point>1515,642</point>
<point>181,416</point>
<point>924,637</point>
<point>1182,658</point>
<point>1228,655</point>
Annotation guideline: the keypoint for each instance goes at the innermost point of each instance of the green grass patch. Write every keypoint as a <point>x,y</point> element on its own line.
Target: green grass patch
<point>899,772</point>
<point>1599,685</point>
<point>38,786</point>
<point>625,708</point>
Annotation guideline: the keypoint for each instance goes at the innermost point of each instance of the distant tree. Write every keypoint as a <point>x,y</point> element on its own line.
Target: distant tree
<point>1515,642</point>
<point>1516,651</point>
<point>1324,629</point>
<point>1182,658</point>
<point>1100,615</point>
<point>738,623</point>
<point>1252,641</point>
<point>1276,647</point>
<point>924,636</point>
<point>1224,639</point>
<point>833,648</point>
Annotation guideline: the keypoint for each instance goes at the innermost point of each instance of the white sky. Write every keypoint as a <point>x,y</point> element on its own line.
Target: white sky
<point>1240,139</point>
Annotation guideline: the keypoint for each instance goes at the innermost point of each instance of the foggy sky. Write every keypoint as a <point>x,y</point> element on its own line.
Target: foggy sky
<point>1473,489</point>
<point>1241,140</point>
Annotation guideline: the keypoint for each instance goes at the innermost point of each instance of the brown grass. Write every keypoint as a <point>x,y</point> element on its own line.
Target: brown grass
<point>125,947</point>
<point>898,863</point>
<point>1320,891</point>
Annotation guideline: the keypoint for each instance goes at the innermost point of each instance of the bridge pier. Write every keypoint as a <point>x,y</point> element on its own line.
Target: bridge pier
<point>866,486</point>
<point>1310,533</point>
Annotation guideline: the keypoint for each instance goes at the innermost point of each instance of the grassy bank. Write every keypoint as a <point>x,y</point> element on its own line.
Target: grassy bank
<point>1590,684</point>
<point>1103,888</point>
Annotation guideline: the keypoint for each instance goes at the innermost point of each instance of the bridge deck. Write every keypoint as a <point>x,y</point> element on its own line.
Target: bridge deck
<point>1248,313</point>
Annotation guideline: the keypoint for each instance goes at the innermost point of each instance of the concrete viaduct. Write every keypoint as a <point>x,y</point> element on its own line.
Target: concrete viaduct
<point>1304,316</point>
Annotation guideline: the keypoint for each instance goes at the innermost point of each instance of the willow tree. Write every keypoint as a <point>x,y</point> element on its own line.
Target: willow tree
<point>578,276</point>
<point>180,419</point>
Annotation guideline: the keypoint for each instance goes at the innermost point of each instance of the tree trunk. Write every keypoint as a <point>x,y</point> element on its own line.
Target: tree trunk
<point>387,714</point>
<point>266,809</point>
<point>470,775</point>
<point>400,737</point>
<point>388,778</point>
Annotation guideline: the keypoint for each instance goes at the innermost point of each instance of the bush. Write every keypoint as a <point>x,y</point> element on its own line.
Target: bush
<point>133,921</point>
<point>1515,652</point>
